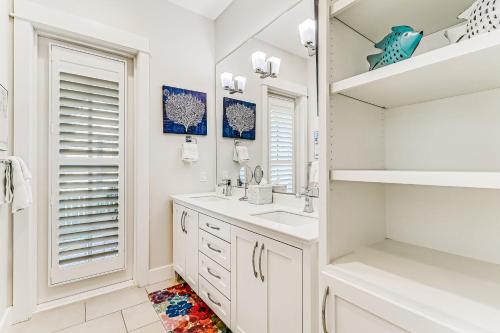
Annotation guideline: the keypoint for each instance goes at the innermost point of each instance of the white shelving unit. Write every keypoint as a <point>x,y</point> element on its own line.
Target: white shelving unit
<point>483,180</point>
<point>422,256</point>
<point>457,69</point>
<point>374,18</point>
<point>459,288</point>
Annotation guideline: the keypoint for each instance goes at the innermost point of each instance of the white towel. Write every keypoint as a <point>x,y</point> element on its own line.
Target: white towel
<point>19,192</point>
<point>314,173</point>
<point>190,152</point>
<point>240,154</point>
<point>3,174</point>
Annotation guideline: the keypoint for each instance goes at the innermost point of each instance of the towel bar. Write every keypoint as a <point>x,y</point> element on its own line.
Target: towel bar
<point>189,138</point>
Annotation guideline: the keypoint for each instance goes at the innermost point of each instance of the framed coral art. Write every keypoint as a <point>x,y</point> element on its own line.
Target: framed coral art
<point>184,111</point>
<point>239,119</point>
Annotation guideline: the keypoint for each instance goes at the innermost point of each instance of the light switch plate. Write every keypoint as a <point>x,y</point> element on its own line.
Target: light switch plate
<point>203,177</point>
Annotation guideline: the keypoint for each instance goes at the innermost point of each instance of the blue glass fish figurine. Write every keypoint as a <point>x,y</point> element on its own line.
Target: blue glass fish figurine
<point>397,46</point>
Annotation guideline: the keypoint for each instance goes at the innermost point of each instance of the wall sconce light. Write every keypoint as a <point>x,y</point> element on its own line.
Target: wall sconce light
<point>237,85</point>
<point>265,67</point>
<point>307,30</point>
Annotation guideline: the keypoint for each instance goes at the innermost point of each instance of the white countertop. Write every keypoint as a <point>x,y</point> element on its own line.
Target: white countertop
<point>243,212</point>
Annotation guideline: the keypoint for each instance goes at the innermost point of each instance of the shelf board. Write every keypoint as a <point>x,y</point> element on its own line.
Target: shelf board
<point>429,282</point>
<point>374,18</point>
<point>484,180</point>
<point>457,69</point>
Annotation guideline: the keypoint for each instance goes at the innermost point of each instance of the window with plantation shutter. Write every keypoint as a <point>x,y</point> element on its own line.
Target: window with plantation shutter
<point>282,141</point>
<point>87,165</point>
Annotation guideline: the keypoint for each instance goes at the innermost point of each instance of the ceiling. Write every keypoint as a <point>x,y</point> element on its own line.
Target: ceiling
<point>208,8</point>
<point>284,32</point>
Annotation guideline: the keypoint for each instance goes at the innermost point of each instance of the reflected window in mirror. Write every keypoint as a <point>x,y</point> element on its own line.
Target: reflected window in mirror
<point>282,142</point>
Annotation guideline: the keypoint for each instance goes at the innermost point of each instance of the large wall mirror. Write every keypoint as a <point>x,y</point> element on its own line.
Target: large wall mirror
<point>267,104</point>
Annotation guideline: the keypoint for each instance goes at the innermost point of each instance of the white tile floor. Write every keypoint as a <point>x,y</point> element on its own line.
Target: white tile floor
<point>127,310</point>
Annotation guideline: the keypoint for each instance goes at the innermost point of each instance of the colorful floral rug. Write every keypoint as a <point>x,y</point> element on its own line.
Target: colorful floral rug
<point>182,311</point>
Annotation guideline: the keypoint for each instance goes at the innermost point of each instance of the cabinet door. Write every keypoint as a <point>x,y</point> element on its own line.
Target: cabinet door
<point>341,316</point>
<point>280,269</point>
<point>191,246</point>
<point>248,293</point>
<point>344,311</point>
<point>179,240</point>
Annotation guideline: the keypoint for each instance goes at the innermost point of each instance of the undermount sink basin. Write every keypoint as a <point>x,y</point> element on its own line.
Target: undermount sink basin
<point>287,218</point>
<point>209,198</point>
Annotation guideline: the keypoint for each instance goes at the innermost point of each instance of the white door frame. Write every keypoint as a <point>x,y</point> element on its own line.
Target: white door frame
<point>300,94</point>
<point>31,20</point>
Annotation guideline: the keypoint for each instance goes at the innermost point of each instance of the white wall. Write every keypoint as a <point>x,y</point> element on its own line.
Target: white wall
<point>242,19</point>
<point>5,225</point>
<point>293,69</point>
<point>182,55</point>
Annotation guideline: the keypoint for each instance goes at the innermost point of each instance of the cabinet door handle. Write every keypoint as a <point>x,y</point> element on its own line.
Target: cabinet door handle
<point>212,300</point>
<point>182,222</point>
<point>212,226</point>
<point>213,274</point>
<point>253,259</point>
<point>260,262</point>
<point>323,309</point>
<point>213,248</point>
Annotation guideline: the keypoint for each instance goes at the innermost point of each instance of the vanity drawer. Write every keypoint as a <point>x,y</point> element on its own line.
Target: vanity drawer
<point>216,227</point>
<point>216,249</point>
<point>217,275</point>
<point>216,301</point>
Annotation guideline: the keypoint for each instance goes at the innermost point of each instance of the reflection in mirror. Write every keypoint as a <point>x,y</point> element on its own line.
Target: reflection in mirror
<point>273,114</point>
<point>258,174</point>
<point>246,177</point>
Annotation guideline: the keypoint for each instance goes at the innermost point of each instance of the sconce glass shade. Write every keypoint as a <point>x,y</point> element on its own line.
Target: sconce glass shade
<point>307,30</point>
<point>274,66</point>
<point>241,83</point>
<point>259,62</point>
<point>226,79</point>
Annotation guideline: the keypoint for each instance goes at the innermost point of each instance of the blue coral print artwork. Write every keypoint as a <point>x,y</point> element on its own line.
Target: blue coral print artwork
<point>184,111</point>
<point>239,119</point>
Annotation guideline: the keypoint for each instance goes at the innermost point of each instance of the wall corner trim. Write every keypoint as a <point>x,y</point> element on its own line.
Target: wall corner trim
<point>6,319</point>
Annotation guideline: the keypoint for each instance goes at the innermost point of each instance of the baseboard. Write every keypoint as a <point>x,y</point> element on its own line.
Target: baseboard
<point>154,275</point>
<point>159,274</point>
<point>83,296</point>
<point>6,320</point>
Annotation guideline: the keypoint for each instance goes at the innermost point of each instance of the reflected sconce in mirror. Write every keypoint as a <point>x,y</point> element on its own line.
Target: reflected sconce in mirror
<point>307,30</point>
<point>236,85</point>
<point>265,67</point>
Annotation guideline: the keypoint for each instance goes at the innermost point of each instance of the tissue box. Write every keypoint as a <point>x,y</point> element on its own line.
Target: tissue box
<point>260,194</point>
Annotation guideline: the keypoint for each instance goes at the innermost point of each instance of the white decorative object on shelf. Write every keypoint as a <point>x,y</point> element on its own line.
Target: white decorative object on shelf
<point>260,194</point>
<point>483,16</point>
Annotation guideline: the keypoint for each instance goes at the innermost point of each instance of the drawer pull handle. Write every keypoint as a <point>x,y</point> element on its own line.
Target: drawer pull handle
<point>213,248</point>
<point>253,259</point>
<point>212,300</point>
<point>323,309</point>
<point>260,262</point>
<point>212,226</point>
<point>213,274</point>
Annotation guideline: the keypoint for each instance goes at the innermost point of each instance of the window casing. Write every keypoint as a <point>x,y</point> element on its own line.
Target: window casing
<point>282,141</point>
<point>87,215</point>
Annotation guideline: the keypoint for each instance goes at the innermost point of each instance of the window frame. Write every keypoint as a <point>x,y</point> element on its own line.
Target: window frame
<point>58,276</point>
<point>295,134</point>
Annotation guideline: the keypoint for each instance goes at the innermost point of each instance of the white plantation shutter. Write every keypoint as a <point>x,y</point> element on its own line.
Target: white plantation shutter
<point>87,165</point>
<point>282,141</point>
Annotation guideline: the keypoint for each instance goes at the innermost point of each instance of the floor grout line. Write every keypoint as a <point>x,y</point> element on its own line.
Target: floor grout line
<point>123,320</point>
<point>151,323</point>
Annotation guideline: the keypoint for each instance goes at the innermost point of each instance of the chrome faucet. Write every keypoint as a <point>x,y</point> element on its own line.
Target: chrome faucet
<point>227,189</point>
<point>308,195</point>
